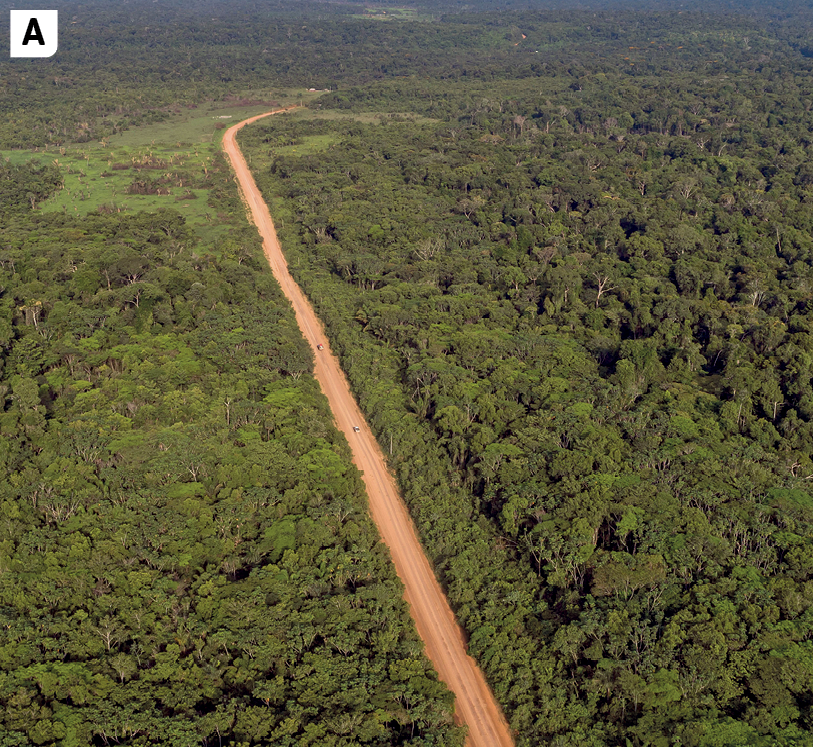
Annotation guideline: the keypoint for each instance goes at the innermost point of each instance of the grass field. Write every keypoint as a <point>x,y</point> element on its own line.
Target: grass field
<point>168,160</point>
<point>363,116</point>
<point>394,14</point>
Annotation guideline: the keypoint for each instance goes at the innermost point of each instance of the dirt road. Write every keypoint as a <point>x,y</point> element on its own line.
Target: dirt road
<point>475,704</point>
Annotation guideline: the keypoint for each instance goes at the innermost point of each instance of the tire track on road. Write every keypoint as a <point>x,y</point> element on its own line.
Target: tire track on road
<point>475,705</point>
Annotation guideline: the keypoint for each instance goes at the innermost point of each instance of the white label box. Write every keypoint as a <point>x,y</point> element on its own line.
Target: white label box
<point>34,33</point>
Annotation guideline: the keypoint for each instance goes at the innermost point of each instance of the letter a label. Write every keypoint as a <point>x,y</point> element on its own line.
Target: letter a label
<point>34,33</point>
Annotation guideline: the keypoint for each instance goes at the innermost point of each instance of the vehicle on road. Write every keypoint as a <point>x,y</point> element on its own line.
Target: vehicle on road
<point>320,347</point>
<point>356,428</point>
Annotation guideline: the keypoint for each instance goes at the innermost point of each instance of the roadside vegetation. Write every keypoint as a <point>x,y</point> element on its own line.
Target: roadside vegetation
<point>565,258</point>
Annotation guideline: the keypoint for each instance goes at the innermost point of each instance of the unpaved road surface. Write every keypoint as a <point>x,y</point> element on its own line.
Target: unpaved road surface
<point>475,704</point>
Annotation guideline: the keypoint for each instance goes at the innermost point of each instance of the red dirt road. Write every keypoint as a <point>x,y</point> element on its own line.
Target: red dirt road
<point>475,704</point>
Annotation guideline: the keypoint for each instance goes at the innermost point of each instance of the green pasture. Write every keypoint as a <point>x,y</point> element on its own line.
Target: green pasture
<point>307,147</point>
<point>102,178</point>
<point>172,157</point>
<point>362,116</point>
<point>394,14</point>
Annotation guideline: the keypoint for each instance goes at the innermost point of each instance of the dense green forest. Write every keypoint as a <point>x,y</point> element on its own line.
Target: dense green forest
<point>121,66</point>
<point>584,301</point>
<point>565,256</point>
<point>185,552</point>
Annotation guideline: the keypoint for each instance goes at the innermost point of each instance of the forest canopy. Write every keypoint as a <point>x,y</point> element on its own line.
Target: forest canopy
<point>564,254</point>
<point>584,300</point>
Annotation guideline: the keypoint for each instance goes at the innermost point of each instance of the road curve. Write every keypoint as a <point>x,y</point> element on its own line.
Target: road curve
<point>475,704</point>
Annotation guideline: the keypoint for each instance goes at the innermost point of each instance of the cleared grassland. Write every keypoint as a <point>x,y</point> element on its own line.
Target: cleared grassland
<point>146,168</point>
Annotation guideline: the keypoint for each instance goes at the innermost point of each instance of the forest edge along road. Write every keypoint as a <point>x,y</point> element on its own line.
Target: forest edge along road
<point>475,705</point>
